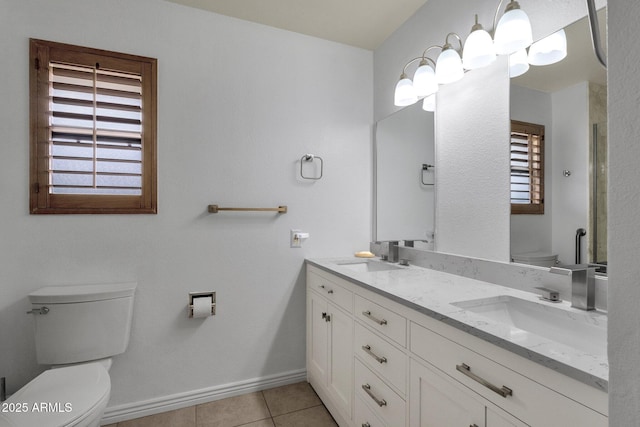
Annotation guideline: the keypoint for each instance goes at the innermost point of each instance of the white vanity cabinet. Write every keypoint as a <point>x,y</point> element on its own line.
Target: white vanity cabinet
<point>382,363</point>
<point>329,342</point>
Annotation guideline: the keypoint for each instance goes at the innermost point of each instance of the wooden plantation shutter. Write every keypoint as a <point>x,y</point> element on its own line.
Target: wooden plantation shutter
<point>527,168</point>
<point>93,124</point>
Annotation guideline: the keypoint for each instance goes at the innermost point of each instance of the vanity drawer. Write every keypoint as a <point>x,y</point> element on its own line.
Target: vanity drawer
<point>528,400</point>
<point>364,416</point>
<point>381,319</point>
<point>383,401</point>
<point>330,290</point>
<point>382,357</point>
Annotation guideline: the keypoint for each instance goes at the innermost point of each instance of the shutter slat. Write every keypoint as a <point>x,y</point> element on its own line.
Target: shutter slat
<point>75,102</point>
<point>68,87</point>
<point>101,118</point>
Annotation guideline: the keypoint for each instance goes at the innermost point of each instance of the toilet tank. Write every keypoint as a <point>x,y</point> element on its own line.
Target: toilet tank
<point>79,323</point>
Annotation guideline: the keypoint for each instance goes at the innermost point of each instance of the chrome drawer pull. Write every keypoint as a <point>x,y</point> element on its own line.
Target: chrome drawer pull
<point>378,321</point>
<point>367,349</point>
<point>380,402</point>
<point>502,391</point>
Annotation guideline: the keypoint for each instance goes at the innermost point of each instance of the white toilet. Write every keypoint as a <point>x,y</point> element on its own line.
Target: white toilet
<point>539,258</point>
<point>77,330</point>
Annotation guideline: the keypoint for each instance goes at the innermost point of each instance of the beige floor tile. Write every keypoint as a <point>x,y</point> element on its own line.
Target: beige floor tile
<point>111,425</point>
<point>289,398</point>
<point>179,418</point>
<point>261,423</point>
<point>318,416</point>
<point>234,411</point>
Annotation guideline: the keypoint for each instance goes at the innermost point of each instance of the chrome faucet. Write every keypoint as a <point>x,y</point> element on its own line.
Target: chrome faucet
<point>387,250</point>
<point>583,284</point>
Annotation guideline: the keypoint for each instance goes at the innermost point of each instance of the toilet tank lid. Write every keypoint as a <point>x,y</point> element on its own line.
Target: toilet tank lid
<point>82,293</point>
<point>530,256</point>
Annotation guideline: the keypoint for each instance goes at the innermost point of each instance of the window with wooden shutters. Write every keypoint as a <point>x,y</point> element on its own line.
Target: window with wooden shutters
<point>527,168</point>
<point>93,130</point>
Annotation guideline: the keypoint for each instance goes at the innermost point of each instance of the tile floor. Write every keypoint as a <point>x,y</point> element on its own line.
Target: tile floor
<point>295,405</point>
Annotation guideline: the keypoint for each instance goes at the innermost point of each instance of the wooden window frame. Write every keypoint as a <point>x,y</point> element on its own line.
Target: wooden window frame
<point>534,207</point>
<point>41,200</point>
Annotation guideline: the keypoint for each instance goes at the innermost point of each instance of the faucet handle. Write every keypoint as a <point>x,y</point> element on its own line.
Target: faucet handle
<point>567,270</point>
<point>561,271</point>
<point>550,295</point>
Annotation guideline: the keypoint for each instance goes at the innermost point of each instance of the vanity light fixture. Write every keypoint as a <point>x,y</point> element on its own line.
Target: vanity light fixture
<point>429,103</point>
<point>512,36</point>
<point>449,64</point>
<point>518,63</point>
<point>405,93</point>
<point>513,31</point>
<point>549,50</point>
<point>478,50</point>
<point>424,80</point>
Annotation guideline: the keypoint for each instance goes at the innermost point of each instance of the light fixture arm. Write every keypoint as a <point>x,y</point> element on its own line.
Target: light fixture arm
<point>447,45</point>
<point>424,53</point>
<point>495,19</point>
<point>595,33</point>
<point>411,61</point>
<point>423,59</point>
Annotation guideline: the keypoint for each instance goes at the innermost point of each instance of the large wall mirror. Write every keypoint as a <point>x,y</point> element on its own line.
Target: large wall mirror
<point>570,100</point>
<point>404,177</point>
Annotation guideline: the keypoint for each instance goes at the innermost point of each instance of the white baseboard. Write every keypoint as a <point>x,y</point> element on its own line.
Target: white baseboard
<point>115,414</point>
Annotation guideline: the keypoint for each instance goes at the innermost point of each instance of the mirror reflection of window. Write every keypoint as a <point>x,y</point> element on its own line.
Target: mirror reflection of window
<point>527,168</point>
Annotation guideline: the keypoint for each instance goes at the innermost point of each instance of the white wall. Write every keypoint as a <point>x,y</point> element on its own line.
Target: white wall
<point>472,164</point>
<point>570,200</point>
<point>239,104</point>
<point>530,233</point>
<point>623,208</point>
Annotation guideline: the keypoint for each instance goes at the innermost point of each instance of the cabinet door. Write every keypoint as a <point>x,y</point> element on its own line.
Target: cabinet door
<point>498,418</point>
<point>340,379</point>
<point>318,342</point>
<point>438,401</point>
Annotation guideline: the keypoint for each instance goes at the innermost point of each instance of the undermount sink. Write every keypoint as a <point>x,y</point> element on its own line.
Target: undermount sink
<point>368,266</point>
<point>582,331</point>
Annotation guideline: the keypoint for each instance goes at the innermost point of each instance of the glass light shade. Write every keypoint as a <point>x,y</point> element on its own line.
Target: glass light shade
<point>429,103</point>
<point>478,50</point>
<point>424,81</point>
<point>518,63</point>
<point>405,93</point>
<point>549,50</point>
<point>449,67</point>
<point>513,32</point>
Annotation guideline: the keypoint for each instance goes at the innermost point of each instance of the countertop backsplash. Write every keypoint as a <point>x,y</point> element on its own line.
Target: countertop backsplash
<point>517,276</point>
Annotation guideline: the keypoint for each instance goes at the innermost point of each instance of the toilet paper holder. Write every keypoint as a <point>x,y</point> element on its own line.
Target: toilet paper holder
<point>194,295</point>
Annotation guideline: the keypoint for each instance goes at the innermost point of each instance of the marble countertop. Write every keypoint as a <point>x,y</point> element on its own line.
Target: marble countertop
<point>433,293</point>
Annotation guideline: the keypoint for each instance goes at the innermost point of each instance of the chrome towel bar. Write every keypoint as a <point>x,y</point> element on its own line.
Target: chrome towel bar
<point>216,209</point>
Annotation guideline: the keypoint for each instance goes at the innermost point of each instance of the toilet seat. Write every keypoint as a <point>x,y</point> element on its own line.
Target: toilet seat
<point>62,397</point>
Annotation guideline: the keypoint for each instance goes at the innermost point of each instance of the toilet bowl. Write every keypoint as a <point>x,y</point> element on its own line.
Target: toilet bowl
<point>78,329</point>
<point>541,259</point>
<point>73,396</point>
